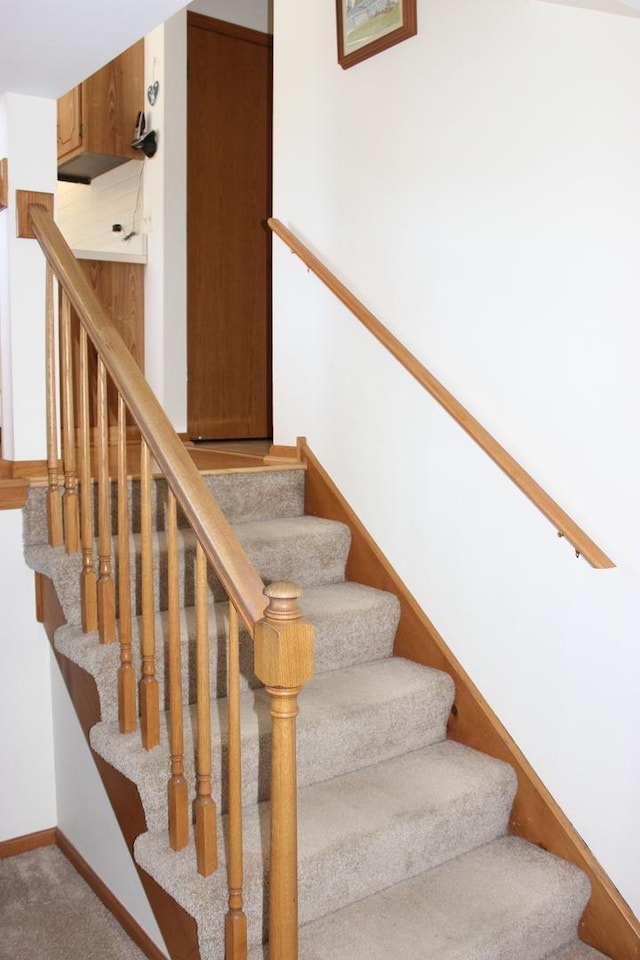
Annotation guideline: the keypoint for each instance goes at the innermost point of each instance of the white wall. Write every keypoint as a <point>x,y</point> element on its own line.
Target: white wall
<point>27,797</point>
<point>85,815</point>
<point>165,221</point>
<point>27,139</point>
<point>477,186</point>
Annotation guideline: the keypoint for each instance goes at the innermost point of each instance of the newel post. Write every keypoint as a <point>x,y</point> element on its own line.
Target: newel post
<point>283,662</point>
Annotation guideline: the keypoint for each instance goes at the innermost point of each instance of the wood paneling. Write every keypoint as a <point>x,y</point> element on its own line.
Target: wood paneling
<point>229,245</point>
<point>608,923</point>
<point>120,289</point>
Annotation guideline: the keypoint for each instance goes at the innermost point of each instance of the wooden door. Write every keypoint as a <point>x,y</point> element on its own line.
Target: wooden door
<point>229,244</point>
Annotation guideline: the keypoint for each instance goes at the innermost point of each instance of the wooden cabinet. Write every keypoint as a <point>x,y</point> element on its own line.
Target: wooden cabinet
<point>96,120</point>
<point>120,289</point>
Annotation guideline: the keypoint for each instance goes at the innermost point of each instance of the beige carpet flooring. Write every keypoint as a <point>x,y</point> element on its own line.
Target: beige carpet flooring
<point>47,912</point>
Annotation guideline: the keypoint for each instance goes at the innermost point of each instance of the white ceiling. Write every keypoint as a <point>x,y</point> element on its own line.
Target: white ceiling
<point>47,47</point>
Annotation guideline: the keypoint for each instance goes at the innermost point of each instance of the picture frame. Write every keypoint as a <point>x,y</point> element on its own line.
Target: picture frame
<point>366,27</point>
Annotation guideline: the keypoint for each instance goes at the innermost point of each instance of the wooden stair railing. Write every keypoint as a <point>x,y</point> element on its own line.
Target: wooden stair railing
<point>283,643</point>
<point>566,527</point>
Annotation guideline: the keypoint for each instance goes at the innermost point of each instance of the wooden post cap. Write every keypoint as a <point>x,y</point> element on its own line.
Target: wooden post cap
<point>282,601</point>
<point>283,641</point>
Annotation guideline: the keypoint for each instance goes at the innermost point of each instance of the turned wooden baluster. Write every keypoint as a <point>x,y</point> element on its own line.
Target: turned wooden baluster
<point>205,808</point>
<point>70,501</point>
<point>126,672</point>
<point>106,586</point>
<point>54,494</point>
<point>235,921</point>
<point>177,786</point>
<point>149,689</point>
<point>88,580</point>
<point>283,662</point>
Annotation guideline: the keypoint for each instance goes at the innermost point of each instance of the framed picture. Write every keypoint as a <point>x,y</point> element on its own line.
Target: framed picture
<point>366,27</point>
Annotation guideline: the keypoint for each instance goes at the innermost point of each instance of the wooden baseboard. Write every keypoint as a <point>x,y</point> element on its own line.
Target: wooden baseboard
<point>608,923</point>
<point>113,905</point>
<point>30,841</point>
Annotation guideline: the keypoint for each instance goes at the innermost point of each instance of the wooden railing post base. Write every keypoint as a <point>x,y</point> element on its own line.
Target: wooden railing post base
<point>235,935</point>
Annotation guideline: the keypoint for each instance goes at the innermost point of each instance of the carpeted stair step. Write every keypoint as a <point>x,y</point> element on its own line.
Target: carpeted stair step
<point>507,900</point>
<point>242,495</point>
<point>310,551</point>
<point>358,833</point>
<point>576,951</point>
<point>353,624</point>
<point>348,719</point>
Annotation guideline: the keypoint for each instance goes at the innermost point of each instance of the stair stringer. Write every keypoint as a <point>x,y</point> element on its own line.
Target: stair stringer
<point>608,923</point>
<point>178,928</point>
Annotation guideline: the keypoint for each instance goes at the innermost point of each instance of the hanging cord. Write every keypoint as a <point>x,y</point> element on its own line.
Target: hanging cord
<point>133,230</point>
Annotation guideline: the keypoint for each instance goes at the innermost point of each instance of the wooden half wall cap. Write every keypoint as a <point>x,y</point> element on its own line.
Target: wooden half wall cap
<point>24,199</point>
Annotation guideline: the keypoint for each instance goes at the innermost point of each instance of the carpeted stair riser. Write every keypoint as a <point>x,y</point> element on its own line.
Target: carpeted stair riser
<point>353,624</point>
<point>348,720</point>
<point>446,915</point>
<point>358,832</point>
<point>310,551</point>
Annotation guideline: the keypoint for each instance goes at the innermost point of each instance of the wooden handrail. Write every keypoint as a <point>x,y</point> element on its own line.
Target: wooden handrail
<point>283,644</point>
<point>563,523</point>
<point>236,572</point>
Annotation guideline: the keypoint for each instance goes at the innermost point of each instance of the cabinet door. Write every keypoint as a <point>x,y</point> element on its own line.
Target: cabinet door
<point>69,122</point>
<point>111,99</point>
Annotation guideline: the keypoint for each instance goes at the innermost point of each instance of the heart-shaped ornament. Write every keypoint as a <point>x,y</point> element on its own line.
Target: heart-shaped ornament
<point>152,92</point>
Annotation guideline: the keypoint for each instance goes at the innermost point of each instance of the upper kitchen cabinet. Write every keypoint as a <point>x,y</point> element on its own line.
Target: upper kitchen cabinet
<point>96,121</point>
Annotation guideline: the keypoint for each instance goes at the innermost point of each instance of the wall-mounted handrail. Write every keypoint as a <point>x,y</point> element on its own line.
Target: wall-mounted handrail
<point>584,545</point>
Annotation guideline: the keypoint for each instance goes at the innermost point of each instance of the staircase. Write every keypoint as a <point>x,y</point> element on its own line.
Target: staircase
<point>403,846</point>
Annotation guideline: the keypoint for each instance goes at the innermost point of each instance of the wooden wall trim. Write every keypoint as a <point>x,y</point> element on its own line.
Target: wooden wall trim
<point>4,183</point>
<point>29,841</point>
<point>128,923</point>
<point>608,923</point>
<point>13,494</point>
<point>33,471</point>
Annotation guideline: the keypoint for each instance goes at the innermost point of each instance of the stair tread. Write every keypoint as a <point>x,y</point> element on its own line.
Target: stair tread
<point>309,551</point>
<point>353,624</point>
<point>357,833</point>
<point>346,722</point>
<point>504,900</point>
